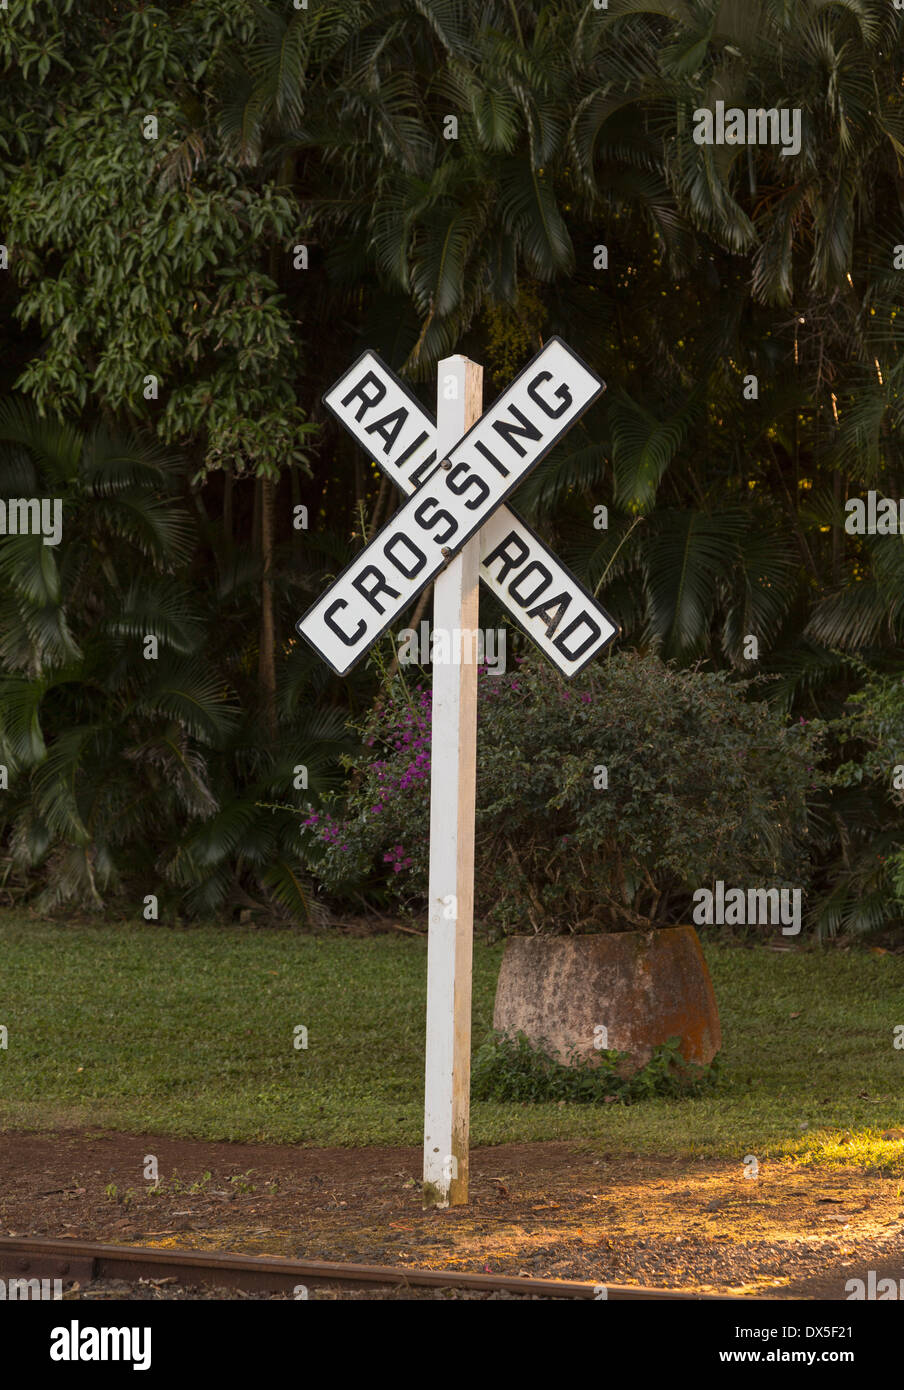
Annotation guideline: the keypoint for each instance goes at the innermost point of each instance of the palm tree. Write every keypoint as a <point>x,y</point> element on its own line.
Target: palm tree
<point>129,714</point>
<point>748,322</point>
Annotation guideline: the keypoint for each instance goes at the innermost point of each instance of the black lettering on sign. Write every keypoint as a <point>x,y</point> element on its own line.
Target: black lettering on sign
<point>424,470</point>
<point>361,392</point>
<point>392,545</point>
<point>562,392</point>
<point>422,519</point>
<point>508,430</point>
<point>500,468</point>
<point>545,581</point>
<point>378,587</point>
<point>334,626</point>
<point>382,427</point>
<point>403,458</point>
<point>552,611</point>
<point>471,479</point>
<point>595,632</point>
<point>502,553</point>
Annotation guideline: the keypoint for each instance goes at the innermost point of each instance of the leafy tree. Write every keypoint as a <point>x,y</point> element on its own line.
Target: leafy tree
<point>148,262</point>
<point>137,759</point>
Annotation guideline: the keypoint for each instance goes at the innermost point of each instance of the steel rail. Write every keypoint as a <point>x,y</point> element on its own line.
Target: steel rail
<point>34,1257</point>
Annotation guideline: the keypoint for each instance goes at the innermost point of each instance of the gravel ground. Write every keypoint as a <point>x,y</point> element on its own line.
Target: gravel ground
<point>543,1210</point>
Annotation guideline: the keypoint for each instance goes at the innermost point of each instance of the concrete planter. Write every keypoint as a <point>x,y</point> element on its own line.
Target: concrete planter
<point>642,987</point>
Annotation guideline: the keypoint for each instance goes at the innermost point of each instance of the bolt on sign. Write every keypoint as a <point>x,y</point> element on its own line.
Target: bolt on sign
<point>455,529</point>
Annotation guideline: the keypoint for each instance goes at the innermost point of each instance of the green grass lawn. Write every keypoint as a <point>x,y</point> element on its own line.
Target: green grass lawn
<point>191,1033</point>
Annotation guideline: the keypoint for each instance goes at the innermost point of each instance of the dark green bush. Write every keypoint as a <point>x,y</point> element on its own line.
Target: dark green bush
<point>702,783</point>
<point>867,886</point>
<point>512,1069</point>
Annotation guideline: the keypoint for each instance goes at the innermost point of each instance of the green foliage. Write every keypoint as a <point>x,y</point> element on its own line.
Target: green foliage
<point>876,719</point>
<point>703,783</point>
<point>869,888</point>
<point>572,121</point>
<point>133,771</point>
<point>513,1069</point>
<point>138,254</point>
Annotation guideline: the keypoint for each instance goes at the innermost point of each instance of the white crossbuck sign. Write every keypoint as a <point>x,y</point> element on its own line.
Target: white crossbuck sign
<point>451,499</point>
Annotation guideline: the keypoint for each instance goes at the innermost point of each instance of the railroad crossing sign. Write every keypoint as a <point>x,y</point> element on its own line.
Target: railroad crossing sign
<point>455,529</point>
<point>464,494</point>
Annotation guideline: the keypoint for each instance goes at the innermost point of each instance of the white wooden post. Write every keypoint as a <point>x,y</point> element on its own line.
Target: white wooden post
<point>459,403</point>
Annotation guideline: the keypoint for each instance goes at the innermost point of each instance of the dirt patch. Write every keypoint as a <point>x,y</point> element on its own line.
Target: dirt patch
<point>545,1210</point>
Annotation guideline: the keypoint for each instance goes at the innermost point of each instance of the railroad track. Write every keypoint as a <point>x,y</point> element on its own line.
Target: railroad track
<point>35,1258</point>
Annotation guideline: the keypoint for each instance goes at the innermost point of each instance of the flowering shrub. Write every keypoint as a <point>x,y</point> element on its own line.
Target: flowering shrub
<point>387,811</point>
<point>603,802</point>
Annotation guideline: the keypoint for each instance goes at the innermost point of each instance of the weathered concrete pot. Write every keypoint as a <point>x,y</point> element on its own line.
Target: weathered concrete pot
<point>641,987</point>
